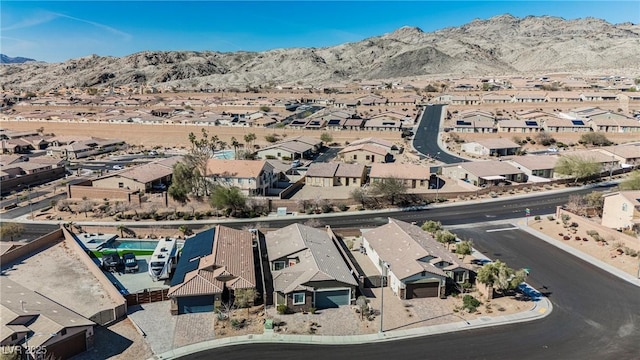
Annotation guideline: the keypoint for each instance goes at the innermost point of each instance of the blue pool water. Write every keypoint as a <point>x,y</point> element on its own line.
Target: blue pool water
<point>225,154</point>
<point>131,245</point>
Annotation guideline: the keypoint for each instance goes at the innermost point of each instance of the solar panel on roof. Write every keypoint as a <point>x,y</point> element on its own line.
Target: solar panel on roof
<point>334,122</point>
<point>531,123</point>
<point>463,123</point>
<point>196,247</point>
<point>577,122</point>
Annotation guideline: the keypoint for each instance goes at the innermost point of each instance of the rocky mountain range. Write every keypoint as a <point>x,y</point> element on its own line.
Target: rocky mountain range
<point>4,59</point>
<point>502,45</point>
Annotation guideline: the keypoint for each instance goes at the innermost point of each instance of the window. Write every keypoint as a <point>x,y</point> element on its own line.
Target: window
<point>459,277</point>
<point>424,273</point>
<point>367,157</point>
<point>278,265</point>
<point>63,332</point>
<point>624,207</point>
<point>355,157</point>
<point>120,185</point>
<point>298,299</point>
<point>14,336</point>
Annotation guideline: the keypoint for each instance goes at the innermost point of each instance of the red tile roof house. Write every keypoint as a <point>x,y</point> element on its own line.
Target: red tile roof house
<point>418,265</point>
<point>480,173</point>
<point>308,269</point>
<point>225,266</point>
<point>335,174</point>
<point>414,176</point>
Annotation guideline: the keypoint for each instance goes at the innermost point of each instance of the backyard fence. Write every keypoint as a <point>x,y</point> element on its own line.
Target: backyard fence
<point>147,296</point>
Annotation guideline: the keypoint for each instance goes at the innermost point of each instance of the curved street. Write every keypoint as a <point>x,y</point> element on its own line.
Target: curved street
<point>594,316</point>
<point>425,140</point>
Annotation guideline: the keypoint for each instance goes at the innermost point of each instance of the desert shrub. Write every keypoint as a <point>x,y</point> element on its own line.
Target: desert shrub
<point>566,237</point>
<point>283,309</point>
<point>326,208</point>
<point>470,303</point>
<point>551,218</point>
<point>537,217</point>
<point>343,207</point>
<point>592,233</point>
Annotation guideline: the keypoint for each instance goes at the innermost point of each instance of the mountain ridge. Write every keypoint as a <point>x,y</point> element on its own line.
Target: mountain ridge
<point>500,45</point>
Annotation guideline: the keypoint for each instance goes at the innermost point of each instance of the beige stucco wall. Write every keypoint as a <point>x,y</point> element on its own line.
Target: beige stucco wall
<point>618,212</point>
<point>113,182</point>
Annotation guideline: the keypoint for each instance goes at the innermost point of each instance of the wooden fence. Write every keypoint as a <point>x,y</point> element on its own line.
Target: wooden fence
<point>147,296</point>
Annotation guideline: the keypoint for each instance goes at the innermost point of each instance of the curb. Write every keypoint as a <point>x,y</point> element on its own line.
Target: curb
<point>541,308</point>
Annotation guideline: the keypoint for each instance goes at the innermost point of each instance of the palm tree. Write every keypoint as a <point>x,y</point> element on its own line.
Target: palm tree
<point>235,144</point>
<point>121,229</point>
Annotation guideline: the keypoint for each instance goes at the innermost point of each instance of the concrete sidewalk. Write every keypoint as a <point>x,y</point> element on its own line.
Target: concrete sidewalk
<point>541,308</point>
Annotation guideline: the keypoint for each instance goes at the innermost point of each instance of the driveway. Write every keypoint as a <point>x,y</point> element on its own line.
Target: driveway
<point>328,154</point>
<point>165,331</point>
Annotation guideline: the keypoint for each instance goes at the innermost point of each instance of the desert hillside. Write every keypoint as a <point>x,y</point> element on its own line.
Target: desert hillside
<point>498,46</point>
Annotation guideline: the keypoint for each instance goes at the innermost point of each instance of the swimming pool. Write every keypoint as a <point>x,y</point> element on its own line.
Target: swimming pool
<point>122,244</point>
<point>225,154</point>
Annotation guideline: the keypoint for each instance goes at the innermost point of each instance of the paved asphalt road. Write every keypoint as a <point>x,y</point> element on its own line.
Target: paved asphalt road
<point>508,208</point>
<point>595,316</point>
<point>426,136</point>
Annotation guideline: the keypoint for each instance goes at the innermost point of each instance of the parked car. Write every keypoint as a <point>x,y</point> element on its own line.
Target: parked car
<point>118,167</point>
<point>130,262</point>
<point>159,187</point>
<point>111,261</point>
<point>295,163</point>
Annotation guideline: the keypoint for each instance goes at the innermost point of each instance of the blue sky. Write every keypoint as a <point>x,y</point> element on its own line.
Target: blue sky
<point>56,31</point>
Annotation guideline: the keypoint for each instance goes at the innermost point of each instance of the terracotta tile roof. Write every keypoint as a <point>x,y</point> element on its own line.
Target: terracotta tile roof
<point>231,258</point>
<point>350,170</point>
<point>319,258</point>
<point>372,148</point>
<point>400,171</point>
<point>628,151</point>
<point>235,168</point>
<point>324,170</point>
<point>488,168</point>
<point>537,162</point>
<point>410,250</point>
<point>497,143</point>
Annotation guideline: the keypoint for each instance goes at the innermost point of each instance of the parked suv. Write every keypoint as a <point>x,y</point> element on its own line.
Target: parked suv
<point>111,261</point>
<point>130,262</point>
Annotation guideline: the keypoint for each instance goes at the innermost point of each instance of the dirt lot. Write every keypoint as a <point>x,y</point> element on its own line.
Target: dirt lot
<point>602,250</point>
<point>178,135</point>
<point>241,322</point>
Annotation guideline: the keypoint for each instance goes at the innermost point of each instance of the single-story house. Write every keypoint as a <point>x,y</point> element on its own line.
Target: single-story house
<point>366,153</point>
<point>48,326</point>
<point>214,266</point>
<point>335,174</point>
<point>628,155</point>
<point>519,126</point>
<point>416,264</point>
<point>496,99</point>
<point>291,149</point>
<point>536,165</point>
<point>385,123</point>
<point>598,96</point>
<point>481,173</point>
<point>621,210</point>
<point>141,177</point>
<point>308,269</point>
<point>491,147</point>
<point>414,176</point>
<point>565,125</point>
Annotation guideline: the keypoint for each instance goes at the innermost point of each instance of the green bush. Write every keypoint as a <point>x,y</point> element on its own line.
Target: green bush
<point>551,218</point>
<point>470,303</point>
<point>283,309</point>
<point>343,207</point>
<point>326,208</point>
<point>537,217</point>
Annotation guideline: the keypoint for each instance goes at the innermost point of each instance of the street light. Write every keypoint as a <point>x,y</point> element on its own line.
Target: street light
<point>384,270</point>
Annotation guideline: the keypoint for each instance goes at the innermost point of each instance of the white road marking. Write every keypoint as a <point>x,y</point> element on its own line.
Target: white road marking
<point>504,229</point>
